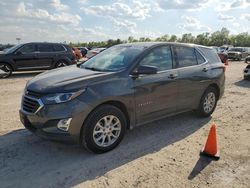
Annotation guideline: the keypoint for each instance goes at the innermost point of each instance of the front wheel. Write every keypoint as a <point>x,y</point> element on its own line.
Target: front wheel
<point>5,70</point>
<point>208,102</point>
<point>104,129</point>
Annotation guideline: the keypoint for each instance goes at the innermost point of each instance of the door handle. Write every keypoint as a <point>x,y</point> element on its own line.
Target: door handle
<point>205,69</point>
<point>173,76</point>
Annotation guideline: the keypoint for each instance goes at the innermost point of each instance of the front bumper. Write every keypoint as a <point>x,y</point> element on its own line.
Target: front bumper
<point>44,122</point>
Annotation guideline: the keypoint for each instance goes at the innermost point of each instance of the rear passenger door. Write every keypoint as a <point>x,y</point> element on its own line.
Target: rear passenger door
<point>45,55</point>
<point>192,76</point>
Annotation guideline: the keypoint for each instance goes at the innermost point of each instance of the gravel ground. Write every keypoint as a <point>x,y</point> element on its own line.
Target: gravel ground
<point>161,154</point>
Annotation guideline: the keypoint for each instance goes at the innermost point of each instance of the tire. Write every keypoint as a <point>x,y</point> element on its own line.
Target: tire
<point>208,102</point>
<point>5,70</point>
<point>246,78</point>
<point>61,63</point>
<point>98,138</point>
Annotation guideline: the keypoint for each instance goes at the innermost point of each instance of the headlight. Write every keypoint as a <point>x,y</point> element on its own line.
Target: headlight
<point>61,97</point>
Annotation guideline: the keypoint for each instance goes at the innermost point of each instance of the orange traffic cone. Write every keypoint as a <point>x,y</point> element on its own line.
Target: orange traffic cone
<point>210,148</point>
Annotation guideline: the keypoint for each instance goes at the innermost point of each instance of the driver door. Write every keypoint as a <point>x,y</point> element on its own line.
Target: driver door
<point>156,95</point>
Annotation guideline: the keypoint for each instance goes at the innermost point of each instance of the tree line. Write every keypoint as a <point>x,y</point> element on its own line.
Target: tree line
<point>217,38</point>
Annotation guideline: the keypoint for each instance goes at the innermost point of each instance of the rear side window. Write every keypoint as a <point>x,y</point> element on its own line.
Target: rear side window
<point>160,58</point>
<point>200,58</point>
<point>28,48</point>
<point>210,54</point>
<point>59,48</point>
<point>45,48</point>
<point>186,56</point>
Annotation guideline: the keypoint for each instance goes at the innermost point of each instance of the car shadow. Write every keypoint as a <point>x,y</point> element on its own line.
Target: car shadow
<point>243,83</point>
<point>29,160</point>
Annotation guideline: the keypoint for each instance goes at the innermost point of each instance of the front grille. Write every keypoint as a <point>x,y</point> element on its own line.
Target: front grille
<point>30,105</point>
<point>31,102</point>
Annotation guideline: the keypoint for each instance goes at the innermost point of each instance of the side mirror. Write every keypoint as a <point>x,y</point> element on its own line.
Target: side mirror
<point>18,53</point>
<point>146,69</point>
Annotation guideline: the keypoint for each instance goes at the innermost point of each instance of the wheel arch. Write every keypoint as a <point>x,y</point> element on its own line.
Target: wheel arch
<point>115,103</point>
<point>8,64</point>
<point>214,85</point>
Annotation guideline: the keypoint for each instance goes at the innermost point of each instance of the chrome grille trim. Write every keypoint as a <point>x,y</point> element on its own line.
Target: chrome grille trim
<point>31,105</point>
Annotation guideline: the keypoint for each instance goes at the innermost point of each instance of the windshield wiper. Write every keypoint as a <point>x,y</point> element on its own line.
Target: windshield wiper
<point>93,69</point>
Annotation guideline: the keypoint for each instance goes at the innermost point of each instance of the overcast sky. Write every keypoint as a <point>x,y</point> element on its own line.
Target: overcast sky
<point>92,20</point>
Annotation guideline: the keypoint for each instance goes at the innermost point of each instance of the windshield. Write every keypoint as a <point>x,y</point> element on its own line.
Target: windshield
<point>12,49</point>
<point>113,59</point>
<point>236,49</point>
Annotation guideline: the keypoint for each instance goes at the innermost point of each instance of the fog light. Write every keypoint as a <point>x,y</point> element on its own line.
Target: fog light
<point>64,124</point>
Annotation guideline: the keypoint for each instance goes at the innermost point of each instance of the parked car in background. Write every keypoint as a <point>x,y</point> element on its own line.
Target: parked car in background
<point>35,56</point>
<point>77,53</point>
<point>94,51</point>
<point>124,86</point>
<point>238,53</point>
<point>225,48</point>
<point>223,55</point>
<point>84,50</point>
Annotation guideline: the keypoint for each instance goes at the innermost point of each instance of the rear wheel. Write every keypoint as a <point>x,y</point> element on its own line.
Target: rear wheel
<point>208,102</point>
<point>61,63</point>
<point>104,129</point>
<point>240,58</point>
<point>5,70</point>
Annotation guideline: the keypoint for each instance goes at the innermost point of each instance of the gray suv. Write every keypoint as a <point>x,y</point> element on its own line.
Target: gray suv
<point>122,87</point>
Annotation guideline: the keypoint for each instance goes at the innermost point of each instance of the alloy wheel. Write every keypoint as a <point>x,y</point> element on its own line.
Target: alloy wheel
<point>107,131</point>
<point>5,71</point>
<point>209,102</point>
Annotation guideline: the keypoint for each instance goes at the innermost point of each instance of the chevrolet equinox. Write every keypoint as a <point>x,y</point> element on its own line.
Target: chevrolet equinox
<point>124,86</point>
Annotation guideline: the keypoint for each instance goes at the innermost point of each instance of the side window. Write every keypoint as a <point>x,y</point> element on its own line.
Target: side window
<point>28,48</point>
<point>45,48</point>
<point>186,56</point>
<point>59,48</point>
<point>159,57</point>
<point>210,55</point>
<point>199,57</point>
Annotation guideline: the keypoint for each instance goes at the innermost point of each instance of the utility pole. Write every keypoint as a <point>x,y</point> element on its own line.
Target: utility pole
<point>18,40</point>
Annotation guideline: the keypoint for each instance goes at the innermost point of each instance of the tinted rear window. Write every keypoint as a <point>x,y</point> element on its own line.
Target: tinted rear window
<point>45,48</point>
<point>186,56</point>
<point>210,54</point>
<point>200,58</point>
<point>59,48</point>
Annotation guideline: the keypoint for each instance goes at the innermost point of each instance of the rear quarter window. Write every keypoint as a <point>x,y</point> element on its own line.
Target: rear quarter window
<point>58,48</point>
<point>210,54</point>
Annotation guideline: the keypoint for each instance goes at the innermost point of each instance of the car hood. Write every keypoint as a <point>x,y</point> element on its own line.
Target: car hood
<point>64,79</point>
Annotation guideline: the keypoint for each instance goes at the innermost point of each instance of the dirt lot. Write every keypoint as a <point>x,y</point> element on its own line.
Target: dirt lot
<point>162,154</point>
